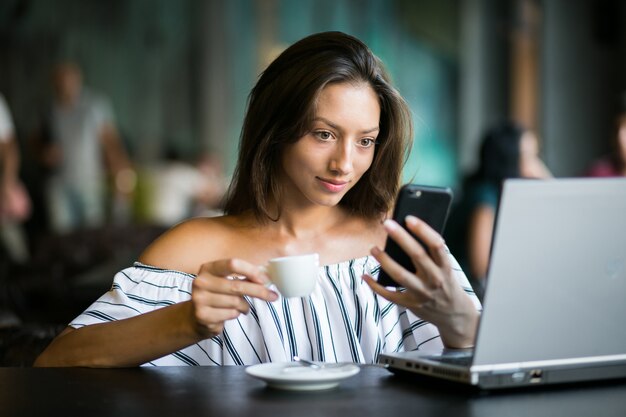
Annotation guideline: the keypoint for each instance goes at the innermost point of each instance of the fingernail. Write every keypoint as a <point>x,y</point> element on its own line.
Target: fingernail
<point>390,224</point>
<point>273,296</point>
<point>412,220</point>
<point>374,250</point>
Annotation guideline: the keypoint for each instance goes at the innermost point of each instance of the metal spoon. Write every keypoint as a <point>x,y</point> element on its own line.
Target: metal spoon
<point>317,366</point>
<point>313,365</point>
<point>307,363</point>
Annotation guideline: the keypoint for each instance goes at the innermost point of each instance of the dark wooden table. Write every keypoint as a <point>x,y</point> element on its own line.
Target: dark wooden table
<point>229,391</point>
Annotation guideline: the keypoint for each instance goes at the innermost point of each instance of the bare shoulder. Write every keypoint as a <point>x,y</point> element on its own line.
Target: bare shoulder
<point>189,244</point>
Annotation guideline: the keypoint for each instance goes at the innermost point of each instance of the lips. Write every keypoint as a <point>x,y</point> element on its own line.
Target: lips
<point>334,186</point>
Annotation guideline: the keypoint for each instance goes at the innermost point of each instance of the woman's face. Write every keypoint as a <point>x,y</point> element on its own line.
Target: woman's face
<point>67,83</point>
<point>325,163</point>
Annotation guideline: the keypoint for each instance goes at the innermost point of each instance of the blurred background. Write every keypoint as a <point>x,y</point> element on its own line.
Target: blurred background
<point>171,79</point>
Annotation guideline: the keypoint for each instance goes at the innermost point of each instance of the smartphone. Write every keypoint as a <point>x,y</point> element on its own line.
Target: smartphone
<point>430,204</point>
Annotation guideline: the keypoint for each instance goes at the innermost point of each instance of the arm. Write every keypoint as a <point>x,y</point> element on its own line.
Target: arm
<point>8,151</point>
<point>128,342</point>
<point>5,172</point>
<point>9,161</point>
<point>8,166</point>
<point>478,242</point>
<point>139,339</point>
<point>14,200</point>
<point>531,166</point>
<point>117,160</point>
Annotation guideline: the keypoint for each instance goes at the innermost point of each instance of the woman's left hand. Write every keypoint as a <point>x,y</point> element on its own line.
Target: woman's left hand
<point>432,292</point>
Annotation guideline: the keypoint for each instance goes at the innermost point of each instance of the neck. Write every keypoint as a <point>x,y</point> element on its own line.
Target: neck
<point>303,223</point>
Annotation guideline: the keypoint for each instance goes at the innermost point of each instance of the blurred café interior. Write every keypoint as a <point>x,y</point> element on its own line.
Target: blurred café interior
<point>169,81</point>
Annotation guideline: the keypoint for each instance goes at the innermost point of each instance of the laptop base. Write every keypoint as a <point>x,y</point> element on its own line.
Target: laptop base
<point>490,380</point>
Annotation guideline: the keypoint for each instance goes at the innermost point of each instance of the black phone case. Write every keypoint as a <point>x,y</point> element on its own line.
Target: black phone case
<point>431,204</point>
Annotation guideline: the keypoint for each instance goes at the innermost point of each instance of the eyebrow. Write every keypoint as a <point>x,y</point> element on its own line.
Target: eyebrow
<point>337,127</point>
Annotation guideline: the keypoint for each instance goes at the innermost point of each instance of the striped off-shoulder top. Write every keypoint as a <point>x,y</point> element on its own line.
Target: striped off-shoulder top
<point>342,320</point>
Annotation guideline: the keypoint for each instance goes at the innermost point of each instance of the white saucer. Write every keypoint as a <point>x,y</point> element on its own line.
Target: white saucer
<point>295,377</point>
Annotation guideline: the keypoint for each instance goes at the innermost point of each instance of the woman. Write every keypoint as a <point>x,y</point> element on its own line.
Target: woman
<point>613,164</point>
<point>319,164</point>
<point>507,151</point>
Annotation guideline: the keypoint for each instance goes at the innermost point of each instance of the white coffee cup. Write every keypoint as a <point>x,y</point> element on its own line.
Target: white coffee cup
<point>294,276</point>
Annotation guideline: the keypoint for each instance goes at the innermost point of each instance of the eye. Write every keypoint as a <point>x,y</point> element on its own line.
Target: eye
<point>366,143</point>
<point>323,135</point>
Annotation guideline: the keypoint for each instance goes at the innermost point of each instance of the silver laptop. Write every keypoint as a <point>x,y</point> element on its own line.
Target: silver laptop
<point>554,310</point>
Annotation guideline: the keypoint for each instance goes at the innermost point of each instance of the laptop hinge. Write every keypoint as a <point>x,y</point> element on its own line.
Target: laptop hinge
<point>547,363</point>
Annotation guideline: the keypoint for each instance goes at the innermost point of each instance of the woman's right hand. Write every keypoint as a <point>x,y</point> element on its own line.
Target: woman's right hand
<point>218,293</point>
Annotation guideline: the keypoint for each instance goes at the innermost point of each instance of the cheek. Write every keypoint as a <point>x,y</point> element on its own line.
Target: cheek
<point>303,158</point>
<point>364,163</point>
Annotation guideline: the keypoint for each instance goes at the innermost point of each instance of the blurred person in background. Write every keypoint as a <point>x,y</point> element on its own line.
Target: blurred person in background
<point>613,164</point>
<point>14,199</point>
<point>209,199</point>
<point>508,150</point>
<point>83,145</point>
<point>180,189</point>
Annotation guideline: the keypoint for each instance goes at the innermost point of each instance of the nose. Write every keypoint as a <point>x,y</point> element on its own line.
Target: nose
<point>341,160</point>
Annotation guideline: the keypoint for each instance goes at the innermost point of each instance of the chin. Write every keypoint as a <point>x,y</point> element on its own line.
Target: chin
<point>331,201</point>
<point>327,199</point>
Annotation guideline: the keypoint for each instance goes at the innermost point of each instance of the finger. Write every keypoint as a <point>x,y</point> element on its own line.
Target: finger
<point>424,265</point>
<point>222,301</point>
<point>399,274</point>
<point>235,287</point>
<point>441,256</point>
<point>403,238</point>
<point>396,297</point>
<point>226,267</point>
<point>212,317</point>
<point>377,288</point>
<point>433,240</point>
<point>424,232</point>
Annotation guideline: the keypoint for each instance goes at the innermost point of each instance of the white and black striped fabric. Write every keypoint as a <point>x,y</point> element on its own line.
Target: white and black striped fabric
<point>342,320</point>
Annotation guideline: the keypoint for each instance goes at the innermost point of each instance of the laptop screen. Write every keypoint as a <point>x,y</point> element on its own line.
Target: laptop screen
<point>557,277</point>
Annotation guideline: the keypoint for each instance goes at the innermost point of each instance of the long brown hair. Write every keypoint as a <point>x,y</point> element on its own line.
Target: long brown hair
<point>281,108</point>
